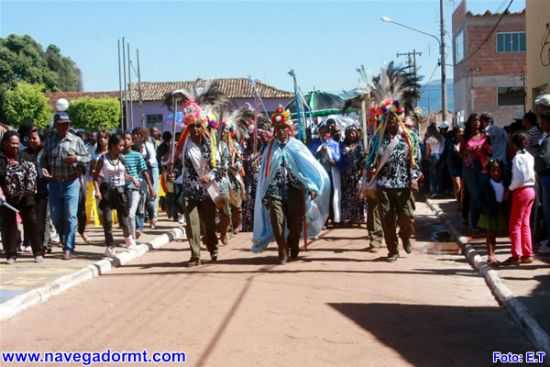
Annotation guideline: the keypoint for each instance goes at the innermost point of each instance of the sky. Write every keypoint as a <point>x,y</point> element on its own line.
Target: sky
<point>323,41</point>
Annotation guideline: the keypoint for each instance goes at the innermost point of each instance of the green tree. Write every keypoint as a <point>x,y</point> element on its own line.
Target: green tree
<point>26,102</point>
<point>95,113</point>
<point>68,76</point>
<point>24,59</point>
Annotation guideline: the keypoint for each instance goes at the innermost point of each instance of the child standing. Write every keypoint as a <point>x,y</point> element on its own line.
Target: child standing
<point>493,209</point>
<point>523,197</point>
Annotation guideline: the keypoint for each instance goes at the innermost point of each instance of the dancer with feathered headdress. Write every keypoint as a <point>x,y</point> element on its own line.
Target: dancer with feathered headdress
<point>393,165</point>
<point>232,131</point>
<point>197,149</point>
<point>292,186</point>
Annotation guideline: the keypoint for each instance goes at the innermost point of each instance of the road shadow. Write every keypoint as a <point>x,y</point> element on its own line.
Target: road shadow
<point>430,335</point>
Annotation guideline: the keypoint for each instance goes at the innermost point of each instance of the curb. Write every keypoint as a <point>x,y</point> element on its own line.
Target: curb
<point>39,295</point>
<point>536,334</point>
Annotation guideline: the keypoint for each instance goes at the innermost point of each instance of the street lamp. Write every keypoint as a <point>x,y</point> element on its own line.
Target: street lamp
<point>441,42</point>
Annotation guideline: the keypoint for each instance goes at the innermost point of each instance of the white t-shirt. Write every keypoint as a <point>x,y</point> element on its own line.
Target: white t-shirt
<point>113,172</point>
<point>436,146</point>
<point>498,187</point>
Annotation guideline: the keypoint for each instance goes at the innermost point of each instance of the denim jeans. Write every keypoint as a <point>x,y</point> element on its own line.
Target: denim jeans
<point>64,197</point>
<point>152,204</point>
<point>134,197</point>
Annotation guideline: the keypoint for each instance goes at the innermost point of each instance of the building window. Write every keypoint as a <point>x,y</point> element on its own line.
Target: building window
<point>153,119</point>
<point>459,47</point>
<point>511,96</point>
<point>511,42</point>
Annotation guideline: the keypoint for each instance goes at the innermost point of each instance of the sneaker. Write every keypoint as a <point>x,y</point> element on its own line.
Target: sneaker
<point>67,255</point>
<point>11,261</point>
<point>544,248</point>
<point>129,242</point>
<point>181,220</point>
<point>39,259</point>
<point>153,224</point>
<point>110,251</point>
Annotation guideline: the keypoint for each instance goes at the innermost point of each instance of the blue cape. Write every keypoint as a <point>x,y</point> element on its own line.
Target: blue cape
<point>309,172</point>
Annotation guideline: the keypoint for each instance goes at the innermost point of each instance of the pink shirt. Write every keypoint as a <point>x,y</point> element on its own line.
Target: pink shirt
<point>478,149</point>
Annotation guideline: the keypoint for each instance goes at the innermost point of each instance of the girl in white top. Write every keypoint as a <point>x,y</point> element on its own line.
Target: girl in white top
<point>523,197</point>
<point>110,186</point>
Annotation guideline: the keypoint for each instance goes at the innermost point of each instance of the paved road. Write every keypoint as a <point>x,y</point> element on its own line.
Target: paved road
<point>338,306</point>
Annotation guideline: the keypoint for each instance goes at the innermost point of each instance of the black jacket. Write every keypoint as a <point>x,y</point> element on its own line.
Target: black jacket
<point>542,158</point>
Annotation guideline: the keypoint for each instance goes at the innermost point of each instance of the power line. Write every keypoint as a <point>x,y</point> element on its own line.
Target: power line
<point>504,13</point>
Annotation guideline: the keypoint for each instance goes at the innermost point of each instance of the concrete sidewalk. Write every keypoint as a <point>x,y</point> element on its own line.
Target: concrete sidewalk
<point>524,290</point>
<point>26,283</point>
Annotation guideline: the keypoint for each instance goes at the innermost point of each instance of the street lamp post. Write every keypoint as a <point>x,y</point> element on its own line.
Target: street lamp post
<point>441,42</point>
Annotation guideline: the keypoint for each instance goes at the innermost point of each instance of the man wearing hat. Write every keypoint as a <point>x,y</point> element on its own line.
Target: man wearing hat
<point>64,158</point>
<point>292,186</point>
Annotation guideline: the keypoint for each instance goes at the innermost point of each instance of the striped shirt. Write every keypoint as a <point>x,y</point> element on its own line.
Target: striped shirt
<point>135,165</point>
<point>56,149</point>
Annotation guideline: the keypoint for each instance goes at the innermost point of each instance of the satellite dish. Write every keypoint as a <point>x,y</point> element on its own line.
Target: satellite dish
<point>61,105</point>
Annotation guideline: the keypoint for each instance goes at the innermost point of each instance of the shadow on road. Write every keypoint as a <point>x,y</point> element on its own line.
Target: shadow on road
<point>430,335</point>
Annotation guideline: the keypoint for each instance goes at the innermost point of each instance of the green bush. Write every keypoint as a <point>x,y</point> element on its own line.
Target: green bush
<point>95,113</point>
<point>26,102</point>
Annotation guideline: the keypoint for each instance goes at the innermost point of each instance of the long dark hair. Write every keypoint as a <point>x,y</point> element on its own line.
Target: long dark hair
<point>114,139</point>
<point>99,135</point>
<point>468,133</point>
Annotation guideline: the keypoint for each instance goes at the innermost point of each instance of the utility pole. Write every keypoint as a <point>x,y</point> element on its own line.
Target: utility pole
<point>130,88</point>
<point>125,110</point>
<point>411,56</point>
<point>140,94</point>
<point>120,88</point>
<point>443,61</point>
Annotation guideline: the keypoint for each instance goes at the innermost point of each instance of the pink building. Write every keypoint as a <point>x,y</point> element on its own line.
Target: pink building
<point>154,113</point>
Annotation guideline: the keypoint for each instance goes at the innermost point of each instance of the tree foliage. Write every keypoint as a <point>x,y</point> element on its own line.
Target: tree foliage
<point>95,113</point>
<point>24,59</point>
<point>26,102</point>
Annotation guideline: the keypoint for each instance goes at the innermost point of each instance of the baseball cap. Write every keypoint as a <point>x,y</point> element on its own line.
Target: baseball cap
<point>61,117</point>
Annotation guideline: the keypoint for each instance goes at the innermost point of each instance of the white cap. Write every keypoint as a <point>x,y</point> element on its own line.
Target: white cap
<point>444,125</point>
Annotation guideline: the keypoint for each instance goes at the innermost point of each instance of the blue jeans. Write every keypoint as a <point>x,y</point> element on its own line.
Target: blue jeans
<point>64,197</point>
<point>152,204</point>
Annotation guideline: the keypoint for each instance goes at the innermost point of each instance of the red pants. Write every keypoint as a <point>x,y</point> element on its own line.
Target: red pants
<point>519,226</point>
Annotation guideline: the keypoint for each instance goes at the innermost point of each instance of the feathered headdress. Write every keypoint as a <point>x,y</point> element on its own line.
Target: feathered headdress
<point>387,91</point>
<point>241,122</point>
<point>198,105</point>
<point>281,118</point>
